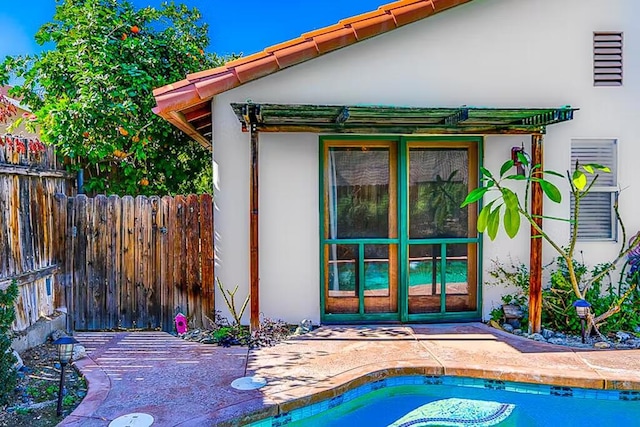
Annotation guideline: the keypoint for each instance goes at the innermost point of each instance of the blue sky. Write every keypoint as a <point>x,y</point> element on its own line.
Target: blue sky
<point>234,26</point>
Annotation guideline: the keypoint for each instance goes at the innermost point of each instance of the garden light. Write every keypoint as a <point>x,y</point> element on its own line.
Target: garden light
<point>64,345</point>
<point>582,309</point>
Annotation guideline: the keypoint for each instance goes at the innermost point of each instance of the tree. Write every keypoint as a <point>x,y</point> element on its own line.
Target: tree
<point>92,93</point>
<point>508,206</point>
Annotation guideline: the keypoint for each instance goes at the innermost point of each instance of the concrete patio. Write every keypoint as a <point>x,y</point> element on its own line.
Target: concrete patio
<point>189,384</point>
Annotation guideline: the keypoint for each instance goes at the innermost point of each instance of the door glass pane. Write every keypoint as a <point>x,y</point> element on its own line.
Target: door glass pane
<point>358,192</point>
<point>460,296</point>
<point>376,270</point>
<point>424,279</point>
<point>343,271</point>
<point>380,275</point>
<point>438,184</point>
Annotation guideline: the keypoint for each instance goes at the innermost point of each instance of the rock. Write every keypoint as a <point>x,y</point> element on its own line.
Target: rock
<point>515,323</point>
<point>19,364</point>
<point>622,336</point>
<point>560,335</point>
<point>557,341</point>
<point>547,333</point>
<point>79,352</point>
<point>517,331</point>
<point>602,344</point>
<point>59,333</point>
<point>507,328</point>
<point>634,343</point>
<point>537,337</point>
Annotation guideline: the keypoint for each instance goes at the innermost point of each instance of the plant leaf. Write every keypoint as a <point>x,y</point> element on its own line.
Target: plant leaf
<point>522,158</point>
<point>511,222</point>
<point>551,191</point>
<point>579,179</point>
<point>484,216</point>
<point>493,223</point>
<point>554,173</point>
<point>474,196</point>
<point>516,177</point>
<point>510,199</point>
<point>505,167</point>
<point>596,166</point>
<point>486,172</point>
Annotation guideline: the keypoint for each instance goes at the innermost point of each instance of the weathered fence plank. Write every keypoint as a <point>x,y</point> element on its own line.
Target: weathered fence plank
<point>206,255</point>
<point>128,294</point>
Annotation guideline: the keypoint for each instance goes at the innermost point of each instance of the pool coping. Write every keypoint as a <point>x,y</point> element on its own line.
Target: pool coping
<point>591,378</point>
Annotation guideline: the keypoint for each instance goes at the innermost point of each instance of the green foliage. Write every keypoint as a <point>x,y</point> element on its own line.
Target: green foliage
<point>92,93</point>
<point>558,297</point>
<point>508,202</point>
<point>513,275</point>
<point>559,313</point>
<point>8,376</point>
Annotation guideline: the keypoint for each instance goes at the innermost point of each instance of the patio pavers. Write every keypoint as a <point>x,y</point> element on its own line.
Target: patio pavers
<point>188,384</point>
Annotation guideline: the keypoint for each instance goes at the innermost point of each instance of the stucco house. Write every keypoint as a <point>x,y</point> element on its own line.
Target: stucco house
<point>341,155</point>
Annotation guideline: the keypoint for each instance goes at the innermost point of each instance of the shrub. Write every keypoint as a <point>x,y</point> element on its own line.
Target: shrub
<point>8,377</point>
<point>558,312</point>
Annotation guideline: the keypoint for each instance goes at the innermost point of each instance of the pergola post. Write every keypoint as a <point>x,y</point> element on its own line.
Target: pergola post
<point>253,232</point>
<point>535,260</point>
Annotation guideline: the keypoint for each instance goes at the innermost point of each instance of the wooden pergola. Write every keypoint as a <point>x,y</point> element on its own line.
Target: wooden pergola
<point>372,119</point>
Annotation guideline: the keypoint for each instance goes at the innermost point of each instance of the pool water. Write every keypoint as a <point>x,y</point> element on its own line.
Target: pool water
<point>534,406</point>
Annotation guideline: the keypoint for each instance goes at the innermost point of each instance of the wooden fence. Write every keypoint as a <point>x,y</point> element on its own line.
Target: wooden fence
<point>135,263</point>
<point>30,174</point>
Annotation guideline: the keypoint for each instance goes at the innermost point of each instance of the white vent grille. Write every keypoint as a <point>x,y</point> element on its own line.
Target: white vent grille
<point>607,59</point>
<point>597,219</point>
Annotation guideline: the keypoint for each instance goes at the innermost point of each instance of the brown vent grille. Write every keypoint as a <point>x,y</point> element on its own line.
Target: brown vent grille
<point>607,59</point>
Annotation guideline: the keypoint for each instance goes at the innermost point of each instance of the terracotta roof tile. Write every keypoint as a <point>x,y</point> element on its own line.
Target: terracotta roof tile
<point>297,53</point>
<point>374,26</point>
<point>202,86</point>
<point>362,17</point>
<point>246,59</point>
<point>412,12</point>
<point>221,83</point>
<point>335,39</point>
<point>255,69</point>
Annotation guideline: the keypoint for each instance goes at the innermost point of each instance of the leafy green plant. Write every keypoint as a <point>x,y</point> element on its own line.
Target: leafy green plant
<point>68,400</point>
<point>559,313</point>
<point>508,207</point>
<point>91,93</point>
<point>8,375</point>
<point>512,275</point>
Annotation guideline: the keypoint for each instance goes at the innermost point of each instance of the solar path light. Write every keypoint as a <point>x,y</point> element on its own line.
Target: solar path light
<point>64,345</point>
<point>582,309</point>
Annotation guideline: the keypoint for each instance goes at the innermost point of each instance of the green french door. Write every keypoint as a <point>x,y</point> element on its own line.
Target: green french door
<point>395,244</point>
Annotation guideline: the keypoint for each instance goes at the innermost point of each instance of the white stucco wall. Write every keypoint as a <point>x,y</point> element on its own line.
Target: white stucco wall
<point>498,53</point>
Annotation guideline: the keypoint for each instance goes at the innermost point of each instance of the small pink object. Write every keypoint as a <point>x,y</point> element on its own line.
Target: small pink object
<point>181,324</point>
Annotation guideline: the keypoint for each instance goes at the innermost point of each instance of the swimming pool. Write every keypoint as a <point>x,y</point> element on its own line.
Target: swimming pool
<point>387,401</point>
